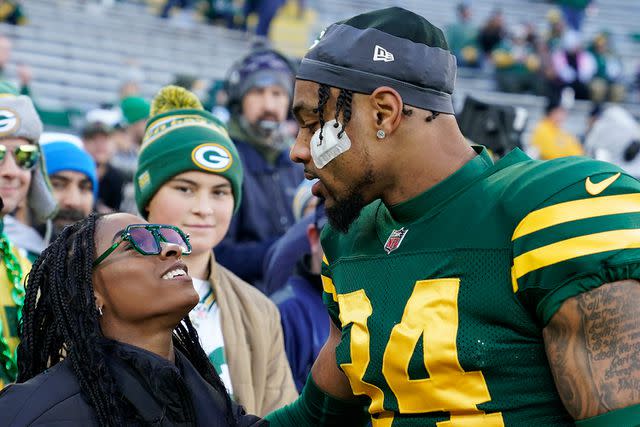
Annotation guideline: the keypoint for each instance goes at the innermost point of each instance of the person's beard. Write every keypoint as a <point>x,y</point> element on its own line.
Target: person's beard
<point>266,129</point>
<point>65,217</point>
<point>344,211</point>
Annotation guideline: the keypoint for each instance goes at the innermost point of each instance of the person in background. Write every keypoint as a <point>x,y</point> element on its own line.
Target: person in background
<point>607,83</point>
<point>305,322</point>
<point>135,111</point>
<point>106,337</point>
<point>98,141</point>
<point>492,33</point>
<point>73,176</point>
<point>190,176</point>
<point>548,137</point>
<point>282,257</point>
<point>574,12</point>
<point>259,89</point>
<point>573,66</point>
<point>22,180</point>
<point>462,37</point>
<point>517,64</point>
<point>12,13</point>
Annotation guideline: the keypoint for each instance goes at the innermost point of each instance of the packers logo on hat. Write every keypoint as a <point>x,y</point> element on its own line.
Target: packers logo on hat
<point>212,157</point>
<point>9,121</point>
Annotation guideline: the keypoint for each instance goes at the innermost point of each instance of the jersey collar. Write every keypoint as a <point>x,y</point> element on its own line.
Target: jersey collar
<point>418,206</point>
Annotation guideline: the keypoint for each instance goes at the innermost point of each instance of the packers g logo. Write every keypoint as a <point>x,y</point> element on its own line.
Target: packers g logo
<point>212,157</point>
<point>9,121</point>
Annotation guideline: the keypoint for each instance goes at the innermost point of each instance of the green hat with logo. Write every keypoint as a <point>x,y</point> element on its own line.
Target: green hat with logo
<point>181,136</point>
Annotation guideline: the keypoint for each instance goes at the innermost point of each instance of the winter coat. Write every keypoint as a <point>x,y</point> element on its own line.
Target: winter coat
<point>162,393</point>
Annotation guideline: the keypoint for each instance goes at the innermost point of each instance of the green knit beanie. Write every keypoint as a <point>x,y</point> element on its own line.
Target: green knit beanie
<point>181,136</point>
<point>134,108</point>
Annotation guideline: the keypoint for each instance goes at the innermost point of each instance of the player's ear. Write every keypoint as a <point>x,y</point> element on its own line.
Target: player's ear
<point>386,106</point>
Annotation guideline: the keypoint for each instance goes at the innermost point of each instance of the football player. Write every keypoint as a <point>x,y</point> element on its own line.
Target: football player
<point>462,292</point>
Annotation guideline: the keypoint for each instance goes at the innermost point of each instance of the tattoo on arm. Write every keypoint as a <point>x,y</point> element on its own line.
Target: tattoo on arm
<point>593,346</point>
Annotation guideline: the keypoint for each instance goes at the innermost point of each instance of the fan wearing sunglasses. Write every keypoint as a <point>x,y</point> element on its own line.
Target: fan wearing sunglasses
<point>106,337</point>
<point>22,182</point>
<point>189,175</point>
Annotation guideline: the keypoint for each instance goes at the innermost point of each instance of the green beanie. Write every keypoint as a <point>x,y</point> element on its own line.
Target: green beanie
<point>134,109</point>
<point>181,136</point>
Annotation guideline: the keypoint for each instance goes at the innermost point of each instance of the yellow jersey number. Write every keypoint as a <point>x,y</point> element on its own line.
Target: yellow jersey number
<point>433,308</point>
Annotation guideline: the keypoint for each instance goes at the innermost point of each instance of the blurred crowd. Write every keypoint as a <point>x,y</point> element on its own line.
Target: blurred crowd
<point>526,60</point>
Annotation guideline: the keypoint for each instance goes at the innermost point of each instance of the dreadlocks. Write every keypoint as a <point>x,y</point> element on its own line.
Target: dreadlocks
<point>343,104</point>
<point>60,320</point>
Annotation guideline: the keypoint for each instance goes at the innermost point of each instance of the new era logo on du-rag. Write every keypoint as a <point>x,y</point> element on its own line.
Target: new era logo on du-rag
<point>382,54</point>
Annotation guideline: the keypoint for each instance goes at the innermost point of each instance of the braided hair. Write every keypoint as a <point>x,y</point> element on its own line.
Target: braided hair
<point>60,320</point>
<point>343,104</point>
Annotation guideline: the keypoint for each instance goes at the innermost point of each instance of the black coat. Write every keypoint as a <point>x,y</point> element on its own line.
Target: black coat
<point>163,394</point>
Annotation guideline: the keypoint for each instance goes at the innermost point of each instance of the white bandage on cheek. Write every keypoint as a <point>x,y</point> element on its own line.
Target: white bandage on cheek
<point>322,152</point>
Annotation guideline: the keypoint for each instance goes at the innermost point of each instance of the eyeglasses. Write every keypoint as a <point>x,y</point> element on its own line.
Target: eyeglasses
<point>147,239</point>
<point>26,156</point>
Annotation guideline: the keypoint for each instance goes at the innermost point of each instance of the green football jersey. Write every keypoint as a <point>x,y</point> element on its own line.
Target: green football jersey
<point>442,299</point>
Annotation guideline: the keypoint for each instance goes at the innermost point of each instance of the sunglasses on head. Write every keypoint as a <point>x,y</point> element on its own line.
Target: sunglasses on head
<point>26,156</point>
<point>147,239</point>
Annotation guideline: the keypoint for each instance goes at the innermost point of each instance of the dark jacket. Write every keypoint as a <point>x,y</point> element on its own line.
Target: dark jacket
<point>282,257</point>
<point>305,321</point>
<point>265,212</point>
<point>163,394</point>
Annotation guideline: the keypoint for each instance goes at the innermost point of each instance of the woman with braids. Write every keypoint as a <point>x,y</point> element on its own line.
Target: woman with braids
<point>190,175</point>
<point>106,338</point>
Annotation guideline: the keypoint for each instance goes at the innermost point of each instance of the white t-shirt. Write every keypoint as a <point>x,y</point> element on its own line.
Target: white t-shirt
<point>206,319</point>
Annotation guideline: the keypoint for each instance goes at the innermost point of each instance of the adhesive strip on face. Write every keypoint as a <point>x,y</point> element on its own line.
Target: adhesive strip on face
<point>323,152</point>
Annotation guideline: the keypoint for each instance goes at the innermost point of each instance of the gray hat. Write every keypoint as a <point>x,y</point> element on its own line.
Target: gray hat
<point>389,47</point>
<point>19,119</point>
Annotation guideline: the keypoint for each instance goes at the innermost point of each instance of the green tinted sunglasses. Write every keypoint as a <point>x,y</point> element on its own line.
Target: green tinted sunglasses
<point>147,239</point>
<point>26,156</point>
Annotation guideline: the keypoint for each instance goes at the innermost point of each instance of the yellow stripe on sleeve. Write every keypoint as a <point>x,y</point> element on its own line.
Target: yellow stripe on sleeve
<point>572,248</point>
<point>576,210</point>
<point>329,287</point>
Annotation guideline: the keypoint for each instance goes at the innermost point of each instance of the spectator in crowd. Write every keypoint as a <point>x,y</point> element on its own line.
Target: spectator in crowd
<point>190,176</point>
<point>98,141</point>
<point>259,89</point>
<point>555,30</point>
<point>573,66</point>
<point>135,111</point>
<point>73,176</point>
<point>11,12</point>
<point>462,37</point>
<point>171,4</point>
<point>606,84</point>
<point>22,178</point>
<point>266,10</point>
<point>573,12</point>
<point>282,257</point>
<point>492,33</point>
<point>305,322</point>
<point>517,64</point>
<point>106,337</point>
<point>549,139</point>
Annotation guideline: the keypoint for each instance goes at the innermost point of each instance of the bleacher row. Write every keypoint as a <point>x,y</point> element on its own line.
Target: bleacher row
<point>79,54</point>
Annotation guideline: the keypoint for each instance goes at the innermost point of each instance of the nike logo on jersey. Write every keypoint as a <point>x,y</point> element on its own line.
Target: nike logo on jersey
<point>597,188</point>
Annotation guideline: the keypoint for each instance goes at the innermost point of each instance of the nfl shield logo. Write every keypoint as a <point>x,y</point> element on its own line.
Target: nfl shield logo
<point>394,240</point>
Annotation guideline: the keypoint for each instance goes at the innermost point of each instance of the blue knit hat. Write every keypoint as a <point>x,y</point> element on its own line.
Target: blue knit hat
<point>64,155</point>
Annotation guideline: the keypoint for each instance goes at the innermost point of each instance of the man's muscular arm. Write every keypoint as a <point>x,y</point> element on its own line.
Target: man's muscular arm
<point>327,399</point>
<point>593,346</point>
<point>325,371</point>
